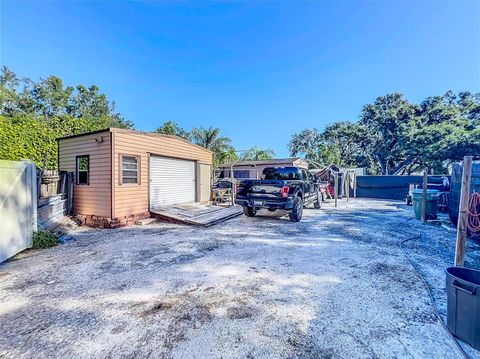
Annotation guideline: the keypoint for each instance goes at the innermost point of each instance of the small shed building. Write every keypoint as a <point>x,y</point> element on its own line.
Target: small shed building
<point>120,175</point>
<point>254,169</point>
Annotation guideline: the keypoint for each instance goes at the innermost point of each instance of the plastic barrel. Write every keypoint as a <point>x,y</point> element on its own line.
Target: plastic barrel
<point>431,205</point>
<point>463,304</point>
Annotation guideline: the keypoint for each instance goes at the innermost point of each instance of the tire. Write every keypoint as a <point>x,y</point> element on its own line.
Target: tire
<point>249,211</point>
<point>271,210</point>
<point>297,210</point>
<point>318,202</point>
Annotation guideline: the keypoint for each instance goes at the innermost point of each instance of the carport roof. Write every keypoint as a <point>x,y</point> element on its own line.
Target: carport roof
<point>275,161</point>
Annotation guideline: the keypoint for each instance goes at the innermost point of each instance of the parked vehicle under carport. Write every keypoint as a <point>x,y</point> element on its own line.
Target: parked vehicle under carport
<point>287,188</point>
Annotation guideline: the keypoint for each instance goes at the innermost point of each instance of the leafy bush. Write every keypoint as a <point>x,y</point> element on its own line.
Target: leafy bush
<point>34,114</point>
<point>44,239</point>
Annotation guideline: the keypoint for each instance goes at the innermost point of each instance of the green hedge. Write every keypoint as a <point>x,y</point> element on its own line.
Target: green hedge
<point>27,137</point>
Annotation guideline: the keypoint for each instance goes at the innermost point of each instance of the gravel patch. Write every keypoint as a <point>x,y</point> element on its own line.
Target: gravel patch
<point>335,285</point>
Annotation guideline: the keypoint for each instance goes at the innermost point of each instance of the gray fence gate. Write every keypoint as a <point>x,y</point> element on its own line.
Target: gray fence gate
<point>18,206</point>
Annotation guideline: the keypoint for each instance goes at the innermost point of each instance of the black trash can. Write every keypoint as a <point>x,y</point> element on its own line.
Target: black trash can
<point>463,304</point>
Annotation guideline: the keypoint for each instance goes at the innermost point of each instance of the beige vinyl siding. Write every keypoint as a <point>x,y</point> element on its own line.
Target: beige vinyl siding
<point>94,198</point>
<point>133,198</point>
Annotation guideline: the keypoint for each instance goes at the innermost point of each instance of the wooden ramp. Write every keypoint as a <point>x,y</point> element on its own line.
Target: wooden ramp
<point>196,213</point>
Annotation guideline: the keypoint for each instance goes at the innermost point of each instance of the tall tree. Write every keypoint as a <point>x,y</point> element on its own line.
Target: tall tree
<point>394,136</point>
<point>445,129</point>
<point>172,128</point>
<point>49,100</point>
<point>406,137</point>
<point>339,143</point>
<point>307,143</point>
<point>9,98</point>
<point>33,114</point>
<point>348,141</point>
<point>255,153</point>
<point>387,121</point>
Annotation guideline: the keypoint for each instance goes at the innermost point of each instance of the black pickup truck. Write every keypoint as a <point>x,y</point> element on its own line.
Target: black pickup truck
<point>288,188</point>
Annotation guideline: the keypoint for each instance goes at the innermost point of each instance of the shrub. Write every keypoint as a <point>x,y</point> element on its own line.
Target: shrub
<point>44,239</point>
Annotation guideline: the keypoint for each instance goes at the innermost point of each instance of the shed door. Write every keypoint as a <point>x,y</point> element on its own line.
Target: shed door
<point>172,181</point>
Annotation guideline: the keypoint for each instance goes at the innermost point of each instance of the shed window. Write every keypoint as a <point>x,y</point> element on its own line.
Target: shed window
<point>83,169</point>
<point>130,169</point>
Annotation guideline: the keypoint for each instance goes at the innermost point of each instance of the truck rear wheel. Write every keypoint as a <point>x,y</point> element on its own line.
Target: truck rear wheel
<point>297,210</point>
<point>249,211</point>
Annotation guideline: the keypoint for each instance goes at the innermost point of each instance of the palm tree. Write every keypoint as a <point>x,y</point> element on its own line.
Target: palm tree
<point>228,156</point>
<point>210,138</point>
<point>255,154</point>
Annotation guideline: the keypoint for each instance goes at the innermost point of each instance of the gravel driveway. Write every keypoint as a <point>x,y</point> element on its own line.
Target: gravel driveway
<point>334,285</point>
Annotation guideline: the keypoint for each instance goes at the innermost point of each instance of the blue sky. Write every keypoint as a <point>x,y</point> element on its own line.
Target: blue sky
<point>259,71</point>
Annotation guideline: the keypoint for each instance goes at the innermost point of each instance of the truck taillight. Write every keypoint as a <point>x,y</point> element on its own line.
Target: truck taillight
<point>285,190</point>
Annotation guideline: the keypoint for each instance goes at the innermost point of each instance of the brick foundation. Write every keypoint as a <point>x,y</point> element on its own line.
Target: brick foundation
<point>105,222</point>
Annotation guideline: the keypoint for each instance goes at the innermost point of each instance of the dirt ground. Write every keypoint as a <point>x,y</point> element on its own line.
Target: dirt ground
<point>335,285</point>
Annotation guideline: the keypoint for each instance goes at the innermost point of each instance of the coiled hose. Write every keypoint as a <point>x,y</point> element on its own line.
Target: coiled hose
<point>473,222</point>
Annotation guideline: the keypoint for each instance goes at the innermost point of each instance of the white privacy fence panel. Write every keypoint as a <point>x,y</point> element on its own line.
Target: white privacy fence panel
<point>18,206</point>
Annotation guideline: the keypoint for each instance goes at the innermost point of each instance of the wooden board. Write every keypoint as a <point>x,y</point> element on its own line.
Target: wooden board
<point>463,211</point>
<point>197,213</point>
<point>144,222</point>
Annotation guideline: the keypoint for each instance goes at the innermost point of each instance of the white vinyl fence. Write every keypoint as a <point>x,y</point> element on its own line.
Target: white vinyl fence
<point>18,206</point>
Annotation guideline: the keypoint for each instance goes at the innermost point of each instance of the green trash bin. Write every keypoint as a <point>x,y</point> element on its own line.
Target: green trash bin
<point>432,203</point>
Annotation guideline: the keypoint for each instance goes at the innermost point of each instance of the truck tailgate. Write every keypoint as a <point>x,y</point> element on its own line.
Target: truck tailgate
<point>258,189</point>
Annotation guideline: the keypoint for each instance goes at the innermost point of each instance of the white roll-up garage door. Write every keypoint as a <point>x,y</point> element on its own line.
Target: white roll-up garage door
<point>172,181</point>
